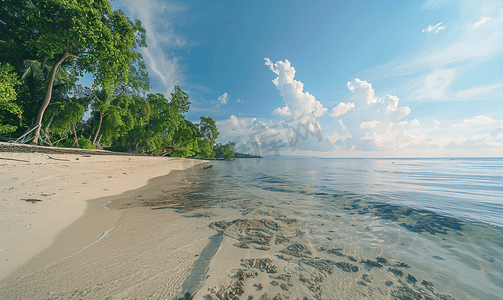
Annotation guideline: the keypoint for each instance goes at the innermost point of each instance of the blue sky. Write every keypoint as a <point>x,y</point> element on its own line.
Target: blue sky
<point>357,78</point>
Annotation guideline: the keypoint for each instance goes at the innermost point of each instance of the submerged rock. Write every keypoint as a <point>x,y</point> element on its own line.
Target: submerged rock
<point>381,260</point>
<point>242,245</point>
<point>262,248</point>
<point>230,292</point>
<point>336,251</point>
<point>411,278</point>
<point>427,284</point>
<point>263,264</point>
<point>245,273</point>
<point>313,284</point>
<point>395,271</point>
<point>285,277</point>
<point>297,250</point>
<point>402,265</point>
<point>366,278</point>
<point>322,265</point>
<point>371,263</point>
<point>281,240</point>
<point>347,267</point>
<point>220,225</point>
<point>281,297</point>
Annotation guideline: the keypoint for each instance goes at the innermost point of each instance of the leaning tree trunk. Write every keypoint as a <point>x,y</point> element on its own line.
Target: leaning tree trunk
<point>48,94</point>
<point>98,130</point>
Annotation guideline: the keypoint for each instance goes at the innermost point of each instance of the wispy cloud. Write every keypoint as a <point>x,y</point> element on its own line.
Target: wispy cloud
<point>158,18</point>
<point>478,120</point>
<point>481,21</point>
<point>435,85</point>
<point>435,28</point>
<point>478,92</point>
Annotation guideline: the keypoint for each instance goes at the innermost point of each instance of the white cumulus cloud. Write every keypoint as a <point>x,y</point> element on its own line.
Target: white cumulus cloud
<point>478,120</point>
<point>282,111</point>
<point>222,100</point>
<point>364,88</point>
<point>296,100</point>
<point>341,109</point>
<point>370,122</point>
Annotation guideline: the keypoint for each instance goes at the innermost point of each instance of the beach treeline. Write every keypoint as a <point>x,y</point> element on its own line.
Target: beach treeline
<point>47,45</point>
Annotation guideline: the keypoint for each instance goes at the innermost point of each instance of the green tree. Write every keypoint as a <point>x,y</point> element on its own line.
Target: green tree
<point>157,134</point>
<point>8,81</point>
<point>110,101</point>
<point>65,122</point>
<point>226,151</point>
<point>101,41</point>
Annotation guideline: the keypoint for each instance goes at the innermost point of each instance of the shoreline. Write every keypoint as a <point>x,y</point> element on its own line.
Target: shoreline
<point>214,235</point>
<point>46,197</point>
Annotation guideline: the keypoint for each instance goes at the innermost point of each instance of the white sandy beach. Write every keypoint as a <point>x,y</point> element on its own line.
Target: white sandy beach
<point>64,183</point>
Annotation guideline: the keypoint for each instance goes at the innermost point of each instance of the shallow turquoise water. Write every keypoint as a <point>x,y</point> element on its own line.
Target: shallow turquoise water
<point>470,188</point>
<point>443,217</point>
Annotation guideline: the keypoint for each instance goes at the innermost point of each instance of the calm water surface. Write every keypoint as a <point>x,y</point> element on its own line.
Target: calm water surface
<point>471,189</point>
<point>442,217</point>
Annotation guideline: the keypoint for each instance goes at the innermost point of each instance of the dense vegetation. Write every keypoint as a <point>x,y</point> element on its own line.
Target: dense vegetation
<point>47,45</point>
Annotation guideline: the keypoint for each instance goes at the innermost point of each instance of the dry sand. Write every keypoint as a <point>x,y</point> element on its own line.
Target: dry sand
<point>43,194</point>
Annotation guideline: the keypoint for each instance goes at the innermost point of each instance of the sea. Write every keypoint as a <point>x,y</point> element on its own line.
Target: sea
<point>280,228</point>
<point>423,228</point>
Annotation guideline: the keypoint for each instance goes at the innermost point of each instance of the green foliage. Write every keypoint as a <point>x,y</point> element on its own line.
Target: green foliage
<point>226,151</point>
<point>186,135</point>
<point>102,40</point>
<point>67,143</point>
<point>86,143</point>
<point>208,129</point>
<point>160,123</point>
<point>8,81</point>
<point>64,115</point>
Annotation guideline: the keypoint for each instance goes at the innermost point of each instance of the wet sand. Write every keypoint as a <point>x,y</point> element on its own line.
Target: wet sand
<point>42,194</point>
<point>148,254</point>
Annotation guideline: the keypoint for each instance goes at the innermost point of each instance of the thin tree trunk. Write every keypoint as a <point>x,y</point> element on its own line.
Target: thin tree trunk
<point>76,138</point>
<point>98,130</point>
<point>48,94</point>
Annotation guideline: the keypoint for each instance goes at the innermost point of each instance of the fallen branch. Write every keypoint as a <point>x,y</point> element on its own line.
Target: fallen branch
<point>15,159</point>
